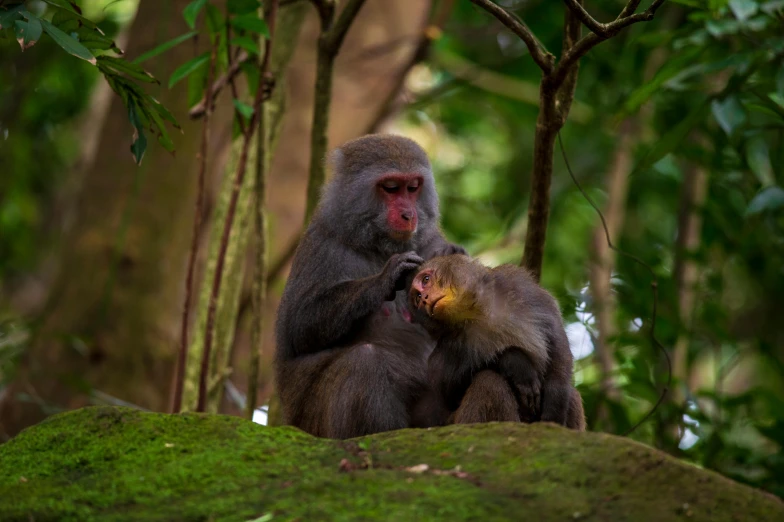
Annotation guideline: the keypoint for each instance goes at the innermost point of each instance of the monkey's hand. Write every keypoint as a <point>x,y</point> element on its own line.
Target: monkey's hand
<point>448,249</point>
<point>530,396</point>
<point>516,366</point>
<point>395,273</point>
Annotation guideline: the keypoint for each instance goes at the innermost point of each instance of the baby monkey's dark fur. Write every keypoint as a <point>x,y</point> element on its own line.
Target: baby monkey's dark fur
<point>496,319</point>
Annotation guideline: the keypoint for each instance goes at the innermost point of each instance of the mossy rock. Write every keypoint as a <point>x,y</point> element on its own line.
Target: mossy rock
<point>120,464</point>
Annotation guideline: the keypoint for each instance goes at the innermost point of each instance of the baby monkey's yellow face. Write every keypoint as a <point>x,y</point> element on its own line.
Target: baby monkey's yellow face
<point>439,292</point>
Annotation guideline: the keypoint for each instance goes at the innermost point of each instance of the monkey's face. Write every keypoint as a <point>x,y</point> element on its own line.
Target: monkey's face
<point>439,294</point>
<point>399,193</point>
<point>430,297</point>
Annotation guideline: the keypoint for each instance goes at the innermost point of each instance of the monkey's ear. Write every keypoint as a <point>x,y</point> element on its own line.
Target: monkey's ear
<point>335,161</point>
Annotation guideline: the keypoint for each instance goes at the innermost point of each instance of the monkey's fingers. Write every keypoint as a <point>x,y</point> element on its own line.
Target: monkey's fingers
<point>412,257</point>
<point>530,400</point>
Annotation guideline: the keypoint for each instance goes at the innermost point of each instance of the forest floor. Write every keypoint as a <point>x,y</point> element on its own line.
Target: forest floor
<point>105,463</point>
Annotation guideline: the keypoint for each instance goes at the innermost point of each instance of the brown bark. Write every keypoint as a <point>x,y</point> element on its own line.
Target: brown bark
<point>604,257</point>
<point>111,322</point>
<point>556,94</point>
<point>695,185</point>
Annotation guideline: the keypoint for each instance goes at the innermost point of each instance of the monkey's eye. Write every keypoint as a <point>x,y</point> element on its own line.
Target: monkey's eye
<point>426,279</point>
<point>418,298</point>
<point>390,187</point>
<point>413,187</point>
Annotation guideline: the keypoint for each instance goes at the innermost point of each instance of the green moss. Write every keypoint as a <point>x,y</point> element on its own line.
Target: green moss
<point>120,464</point>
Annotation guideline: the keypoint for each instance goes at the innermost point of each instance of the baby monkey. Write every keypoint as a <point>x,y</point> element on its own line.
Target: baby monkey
<point>496,319</point>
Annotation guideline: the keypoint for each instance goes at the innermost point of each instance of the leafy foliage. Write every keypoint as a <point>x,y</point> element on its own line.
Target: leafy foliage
<point>704,84</point>
<point>81,38</point>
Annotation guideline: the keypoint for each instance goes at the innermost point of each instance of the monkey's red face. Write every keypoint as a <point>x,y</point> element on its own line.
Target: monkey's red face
<point>400,193</point>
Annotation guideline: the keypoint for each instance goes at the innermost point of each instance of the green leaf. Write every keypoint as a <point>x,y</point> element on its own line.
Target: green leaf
<point>191,12</point>
<point>758,158</point>
<point>188,67</point>
<point>196,83</point>
<point>92,38</point>
<point>155,119</point>
<point>74,11</point>
<point>68,43</point>
<point>241,7</point>
<point>215,22</point>
<point>743,9</point>
<point>10,15</point>
<point>29,32</point>
<point>165,46</point>
<point>670,69</point>
<point>139,144</point>
<point>777,98</point>
<point>723,27</point>
<point>729,113</point>
<point>243,108</point>
<point>247,43</point>
<point>251,22</point>
<point>131,69</point>
<point>674,138</point>
<point>770,198</point>
<point>164,112</point>
<point>773,7</point>
<point>780,81</point>
<point>68,5</point>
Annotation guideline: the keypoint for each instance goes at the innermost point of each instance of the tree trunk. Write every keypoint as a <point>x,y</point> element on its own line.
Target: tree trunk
<point>695,185</point>
<point>111,323</point>
<point>604,257</point>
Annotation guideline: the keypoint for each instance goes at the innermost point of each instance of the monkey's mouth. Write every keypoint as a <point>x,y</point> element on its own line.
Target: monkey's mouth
<point>401,235</point>
<point>432,308</point>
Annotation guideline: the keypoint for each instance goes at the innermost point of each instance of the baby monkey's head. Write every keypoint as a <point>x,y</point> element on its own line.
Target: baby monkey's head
<point>443,291</point>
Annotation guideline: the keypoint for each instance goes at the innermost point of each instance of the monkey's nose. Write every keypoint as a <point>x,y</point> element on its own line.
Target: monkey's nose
<point>406,216</point>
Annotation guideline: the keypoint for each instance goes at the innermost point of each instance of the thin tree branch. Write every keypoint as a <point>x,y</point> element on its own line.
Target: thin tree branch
<point>630,8</point>
<point>590,41</point>
<point>277,267</point>
<point>234,93</point>
<point>539,53</point>
<point>330,41</point>
<point>338,31</point>
<point>572,35</point>
<point>260,214</point>
<point>262,94</point>
<point>182,356</point>
<point>197,111</point>
<point>579,11</point>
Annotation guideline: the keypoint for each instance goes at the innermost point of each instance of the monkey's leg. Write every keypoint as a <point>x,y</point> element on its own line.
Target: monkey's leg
<point>489,398</point>
<point>429,410</point>
<point>518,369</point>
<point>576,419</point>
<point>350,392</point>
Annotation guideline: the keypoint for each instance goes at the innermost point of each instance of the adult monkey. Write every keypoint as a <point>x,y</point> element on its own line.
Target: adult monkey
<point>349,361</point>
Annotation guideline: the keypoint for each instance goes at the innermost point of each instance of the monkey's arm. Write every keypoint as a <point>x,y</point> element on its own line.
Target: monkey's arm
<point>328,313</point>
<point>450,372</point>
